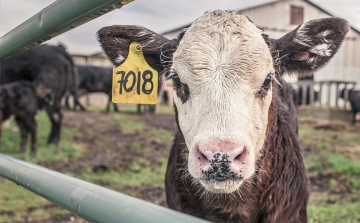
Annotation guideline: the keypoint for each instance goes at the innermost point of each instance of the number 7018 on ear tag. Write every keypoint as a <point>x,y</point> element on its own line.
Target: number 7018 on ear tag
<point>135,81</point>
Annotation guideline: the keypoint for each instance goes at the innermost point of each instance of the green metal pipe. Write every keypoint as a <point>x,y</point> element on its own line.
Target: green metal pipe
<point>92,202</point>
<point>54,20</point>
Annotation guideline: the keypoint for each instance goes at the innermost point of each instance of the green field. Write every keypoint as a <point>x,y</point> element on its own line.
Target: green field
<point>331,158</point>
<point>333,167</point>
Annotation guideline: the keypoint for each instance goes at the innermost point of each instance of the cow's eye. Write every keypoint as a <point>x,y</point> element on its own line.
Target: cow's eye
<point>176,80</point>
<point>267,82</point>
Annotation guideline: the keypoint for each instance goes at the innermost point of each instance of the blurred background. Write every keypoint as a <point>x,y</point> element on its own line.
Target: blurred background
<point>126,149</point>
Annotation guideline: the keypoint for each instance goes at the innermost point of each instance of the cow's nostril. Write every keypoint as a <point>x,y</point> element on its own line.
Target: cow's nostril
<point>241,157</point>
<point>202,157</point>
<point>238,157</point>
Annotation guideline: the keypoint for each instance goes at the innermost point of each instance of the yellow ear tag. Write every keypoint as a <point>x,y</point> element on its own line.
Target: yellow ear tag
<point>135,81</point>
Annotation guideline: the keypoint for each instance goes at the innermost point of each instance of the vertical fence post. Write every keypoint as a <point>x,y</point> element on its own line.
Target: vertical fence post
<point>329,93</point>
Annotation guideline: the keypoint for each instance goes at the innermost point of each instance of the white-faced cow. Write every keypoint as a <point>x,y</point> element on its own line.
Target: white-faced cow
<point>236,156</point>
<point>50,68</point>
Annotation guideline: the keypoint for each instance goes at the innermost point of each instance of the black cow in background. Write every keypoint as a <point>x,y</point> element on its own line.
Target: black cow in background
<point>19,99</point>
<point>49,68</point>
<point>93,79</point>
<point>354,99</point>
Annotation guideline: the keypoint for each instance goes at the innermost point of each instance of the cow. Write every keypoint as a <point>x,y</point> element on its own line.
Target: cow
<point>93,79</point>
<point>19,99</point>
<point>354,99</point>
<point>50,68</point>
<point>236,156</point>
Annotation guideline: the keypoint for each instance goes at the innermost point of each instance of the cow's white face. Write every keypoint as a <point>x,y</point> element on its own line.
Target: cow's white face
<point>220,72</point>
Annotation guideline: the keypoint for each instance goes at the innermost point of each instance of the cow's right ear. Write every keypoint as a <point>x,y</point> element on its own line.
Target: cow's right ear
<point>115,41</point>
<point>309,47</point>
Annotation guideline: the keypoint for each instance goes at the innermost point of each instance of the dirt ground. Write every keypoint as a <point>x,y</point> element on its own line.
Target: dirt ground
<point>106,130</point>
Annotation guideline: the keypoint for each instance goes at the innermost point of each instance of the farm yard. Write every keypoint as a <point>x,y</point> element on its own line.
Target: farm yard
<point>128,152</point>
<point>234,112</point>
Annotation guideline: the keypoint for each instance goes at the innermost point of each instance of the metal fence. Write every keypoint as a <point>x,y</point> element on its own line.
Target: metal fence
<point>324,94</point>
<point>92,202</point>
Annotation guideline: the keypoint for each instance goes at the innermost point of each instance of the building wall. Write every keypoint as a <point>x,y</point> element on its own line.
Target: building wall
<point>94,60</point>
<point>345,65</point>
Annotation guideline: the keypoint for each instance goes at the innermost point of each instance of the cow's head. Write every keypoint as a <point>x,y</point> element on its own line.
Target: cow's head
<point>222,68</point>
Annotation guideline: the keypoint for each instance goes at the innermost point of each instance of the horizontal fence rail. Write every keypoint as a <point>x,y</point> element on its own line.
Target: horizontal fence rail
<point>92,202</point>
<point>54,20</point>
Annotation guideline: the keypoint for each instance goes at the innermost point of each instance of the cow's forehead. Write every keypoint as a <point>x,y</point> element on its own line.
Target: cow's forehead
<point>222,39</point>
<point>224,21</point>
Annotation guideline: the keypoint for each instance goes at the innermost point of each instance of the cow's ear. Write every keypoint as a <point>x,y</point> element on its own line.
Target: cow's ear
<point>309,47</point>
<point>115,41</point>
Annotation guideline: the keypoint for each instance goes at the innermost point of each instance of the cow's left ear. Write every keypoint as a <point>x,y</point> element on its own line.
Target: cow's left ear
<point>309,47</point>
<point>115,41</point>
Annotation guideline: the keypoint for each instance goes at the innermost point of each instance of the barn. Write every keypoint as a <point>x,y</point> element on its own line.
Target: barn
<point>96,59</point>
<point>279,17</point>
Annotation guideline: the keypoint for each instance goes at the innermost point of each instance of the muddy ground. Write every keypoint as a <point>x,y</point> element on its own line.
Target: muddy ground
<point>106,130</point>
<point>120,156</point>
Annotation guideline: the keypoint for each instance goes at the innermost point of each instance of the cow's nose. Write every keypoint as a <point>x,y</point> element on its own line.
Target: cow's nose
<point>221,159</point>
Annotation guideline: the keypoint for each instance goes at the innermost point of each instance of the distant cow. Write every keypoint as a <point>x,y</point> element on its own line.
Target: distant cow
<point>236,156</point>
<point>19,99</point>
<point>99,79</point>
<point>93,79</point>
<point>49,68</point>
<point>354,99</point>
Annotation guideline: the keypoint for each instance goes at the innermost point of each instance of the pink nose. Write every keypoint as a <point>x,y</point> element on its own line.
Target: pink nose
<point>221,159</point>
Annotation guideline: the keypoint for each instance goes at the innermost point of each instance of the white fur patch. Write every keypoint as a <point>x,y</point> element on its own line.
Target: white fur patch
<point>323,34</point>
<point>312,61</point>
<point>119,59</point>
<point>141,34</point>
<point>322,50</point>
<point>301,36</point>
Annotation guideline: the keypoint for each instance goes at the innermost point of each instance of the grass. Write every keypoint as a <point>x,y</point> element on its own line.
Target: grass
<point>66,150</point>
<point>160,134</point>
<point>329,159</point>
<point>350,168</point>
<point>135,177</point>
<point>11,199</point>
<point>128,123</point>
<point>339,213</point>
<point>18,204</point>
<point>327,153</point>
<point>18,201</point>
